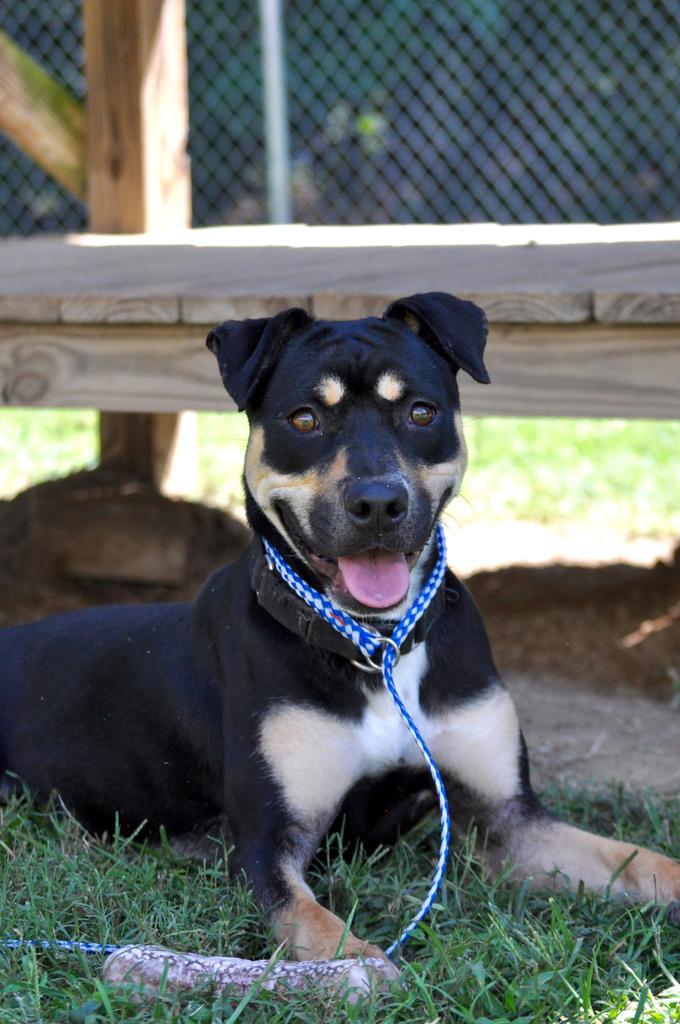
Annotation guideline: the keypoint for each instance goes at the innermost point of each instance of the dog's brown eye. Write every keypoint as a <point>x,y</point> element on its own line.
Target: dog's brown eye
<point>303,420</point>
<point>422,414</point>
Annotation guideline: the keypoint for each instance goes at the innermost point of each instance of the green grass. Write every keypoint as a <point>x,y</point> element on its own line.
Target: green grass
<point>41,444</point>
<point>491,952</point>
<point>616,473</point>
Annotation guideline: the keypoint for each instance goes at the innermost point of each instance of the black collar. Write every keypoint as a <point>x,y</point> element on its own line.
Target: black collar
<point>291,611</point>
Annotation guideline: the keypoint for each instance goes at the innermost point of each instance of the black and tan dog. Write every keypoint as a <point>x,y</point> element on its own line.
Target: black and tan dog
<point>244,711</point>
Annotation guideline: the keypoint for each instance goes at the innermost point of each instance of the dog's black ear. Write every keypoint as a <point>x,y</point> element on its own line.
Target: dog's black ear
<point>247,349</point>
<point>455,327</point>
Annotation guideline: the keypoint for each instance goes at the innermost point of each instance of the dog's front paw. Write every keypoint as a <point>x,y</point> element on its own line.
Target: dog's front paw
<point>311,932</point>
<point>656,877</point>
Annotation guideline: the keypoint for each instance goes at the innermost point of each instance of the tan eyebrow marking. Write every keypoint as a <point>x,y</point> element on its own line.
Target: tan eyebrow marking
<point>412,322</point>
<point>390,387</point>
<point>330,390</point>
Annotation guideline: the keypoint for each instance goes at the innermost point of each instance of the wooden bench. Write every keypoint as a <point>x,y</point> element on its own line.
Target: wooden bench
<point>585,320</point>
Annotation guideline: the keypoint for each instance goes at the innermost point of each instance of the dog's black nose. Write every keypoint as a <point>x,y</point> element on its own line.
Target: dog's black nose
<point>376,503</point>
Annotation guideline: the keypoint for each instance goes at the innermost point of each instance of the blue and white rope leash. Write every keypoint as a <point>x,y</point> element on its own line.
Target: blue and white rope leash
<point>368,643</point>
<point>82,947</point>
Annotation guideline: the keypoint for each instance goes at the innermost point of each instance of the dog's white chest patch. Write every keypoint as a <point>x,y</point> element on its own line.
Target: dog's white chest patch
<point>316,757</point>
<point>383,740</point>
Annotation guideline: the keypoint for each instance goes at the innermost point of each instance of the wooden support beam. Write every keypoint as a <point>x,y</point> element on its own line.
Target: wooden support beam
<point>137,115</point>
<point>41,117</point>
<point>627,371</point>
<point>138,176</point>
<point>157,447</point>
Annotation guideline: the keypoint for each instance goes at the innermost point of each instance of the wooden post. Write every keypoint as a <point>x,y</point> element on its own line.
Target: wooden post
<point>137,170</point>
<point>159,447</point>
<point>137,115</point>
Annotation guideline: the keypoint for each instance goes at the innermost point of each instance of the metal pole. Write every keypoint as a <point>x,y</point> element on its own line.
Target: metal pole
<point>275,112</point>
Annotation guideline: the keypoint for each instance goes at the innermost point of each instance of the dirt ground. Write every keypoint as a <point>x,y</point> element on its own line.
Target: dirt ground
<point>577,737</point>
<point>591,653</point>
<point>612,628</point>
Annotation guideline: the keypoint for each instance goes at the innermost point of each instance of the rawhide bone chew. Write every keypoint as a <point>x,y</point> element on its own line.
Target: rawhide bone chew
<point>149,965</point>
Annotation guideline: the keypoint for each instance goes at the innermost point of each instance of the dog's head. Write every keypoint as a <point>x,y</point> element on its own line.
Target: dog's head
<point>356,442</point>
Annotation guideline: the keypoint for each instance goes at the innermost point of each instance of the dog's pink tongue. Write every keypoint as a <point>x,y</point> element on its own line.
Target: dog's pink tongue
<point>376,578</point>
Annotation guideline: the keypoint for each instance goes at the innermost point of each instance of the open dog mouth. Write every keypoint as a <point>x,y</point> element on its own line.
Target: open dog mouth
<point>375,577</point>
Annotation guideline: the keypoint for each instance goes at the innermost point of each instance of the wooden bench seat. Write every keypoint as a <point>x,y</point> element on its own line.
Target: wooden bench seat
<point>585,319</point>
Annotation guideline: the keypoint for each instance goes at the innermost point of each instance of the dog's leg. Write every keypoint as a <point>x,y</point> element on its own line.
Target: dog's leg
<point>480,748</point>
<point>558,855</point>
<point>275,862</point>
<point>311,931</point>
<point>278,826</point>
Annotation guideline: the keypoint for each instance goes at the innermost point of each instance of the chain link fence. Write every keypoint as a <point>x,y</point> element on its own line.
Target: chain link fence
<point>51,33</point>
<point>483,110</point>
